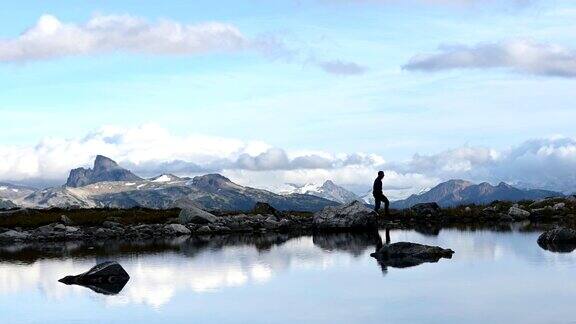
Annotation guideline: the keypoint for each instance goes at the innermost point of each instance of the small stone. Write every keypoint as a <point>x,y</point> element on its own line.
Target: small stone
<point>559,206</point>
<point>59,227</point>
<point>111,225</point>
<point>204,229</point>
<point>66,220</point>
<point>176,229</point>
<point>72,229</point>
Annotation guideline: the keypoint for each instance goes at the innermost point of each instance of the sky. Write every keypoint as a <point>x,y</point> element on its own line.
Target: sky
<point>292,91</point>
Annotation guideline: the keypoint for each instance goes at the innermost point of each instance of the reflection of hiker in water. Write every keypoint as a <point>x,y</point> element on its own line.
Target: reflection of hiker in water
<point>379,195</point>
<point>378,239</point>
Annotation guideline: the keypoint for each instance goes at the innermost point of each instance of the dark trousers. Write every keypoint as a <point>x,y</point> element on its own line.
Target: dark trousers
<point>379,197</point>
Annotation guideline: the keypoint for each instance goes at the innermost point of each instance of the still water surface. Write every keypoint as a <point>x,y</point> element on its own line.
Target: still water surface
<point>493,277</point>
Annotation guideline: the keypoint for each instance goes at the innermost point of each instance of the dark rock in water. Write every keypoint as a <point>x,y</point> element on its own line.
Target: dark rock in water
<point>558,235</point>
<point>406,254</point>
<point>558,240</point>
<point>264,209</point>
<point>107,278</point>
<point>354,215</point>
<point>425,209</point>
<point>559,248</point>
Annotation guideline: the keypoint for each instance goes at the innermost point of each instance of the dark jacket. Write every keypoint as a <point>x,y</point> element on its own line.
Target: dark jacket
<point>377,188</point>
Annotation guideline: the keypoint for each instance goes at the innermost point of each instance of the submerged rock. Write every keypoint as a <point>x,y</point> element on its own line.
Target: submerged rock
<point>406,254</point>
<point>558,235</point>
<point>107,278</point>
<point>192,214</point>
<point>354,215</point>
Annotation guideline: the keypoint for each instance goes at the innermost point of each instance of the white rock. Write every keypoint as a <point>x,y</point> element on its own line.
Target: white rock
<point>559,206</point>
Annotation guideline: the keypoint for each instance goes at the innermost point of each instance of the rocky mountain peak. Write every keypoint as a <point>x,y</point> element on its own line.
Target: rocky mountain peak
<point>328,184</point>
<point>105,169</point>
<point>103,163</point>
<point>214,181</point>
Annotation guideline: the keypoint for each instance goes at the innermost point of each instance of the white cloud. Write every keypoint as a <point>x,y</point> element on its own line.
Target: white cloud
<point>342,68</point>
<point>51,38</point>
<point>151,150</point>
<point>539,163</point>
<point>460,3</point>
<point>523,56</point>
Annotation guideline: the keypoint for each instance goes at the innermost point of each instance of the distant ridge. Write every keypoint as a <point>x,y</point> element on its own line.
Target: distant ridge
<point>328,190</point>
<point>460,192</point>
<point>109,185</point>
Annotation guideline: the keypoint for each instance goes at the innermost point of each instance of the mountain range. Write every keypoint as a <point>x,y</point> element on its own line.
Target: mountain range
<point>109,185</point>
<point>460,192</point>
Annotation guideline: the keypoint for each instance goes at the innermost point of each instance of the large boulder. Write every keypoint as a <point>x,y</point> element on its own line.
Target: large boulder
<point>426,209</point>
<point>195,215</point>
<point>517,213</point>
<point>406,254</point>
<point>106,278</point>
<point>354,215</point>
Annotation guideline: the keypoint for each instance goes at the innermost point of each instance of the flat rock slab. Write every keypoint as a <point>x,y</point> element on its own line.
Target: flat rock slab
<point>406,254</point>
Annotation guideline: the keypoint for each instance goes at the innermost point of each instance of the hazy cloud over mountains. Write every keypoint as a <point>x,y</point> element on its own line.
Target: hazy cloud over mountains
<point>150,150</point>
<point>524,56</point>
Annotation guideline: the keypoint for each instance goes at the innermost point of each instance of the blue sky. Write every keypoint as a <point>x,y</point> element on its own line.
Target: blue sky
<point>384,80</point>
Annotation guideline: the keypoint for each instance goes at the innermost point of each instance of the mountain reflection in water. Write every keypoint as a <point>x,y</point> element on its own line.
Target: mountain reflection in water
<point>289,277</point>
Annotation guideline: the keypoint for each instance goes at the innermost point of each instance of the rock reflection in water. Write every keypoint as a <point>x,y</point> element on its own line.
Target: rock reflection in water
<point>558,248</point>
<point>355,243</point>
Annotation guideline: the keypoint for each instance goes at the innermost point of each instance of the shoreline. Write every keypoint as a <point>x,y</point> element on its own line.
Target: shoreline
<point>57,224</point>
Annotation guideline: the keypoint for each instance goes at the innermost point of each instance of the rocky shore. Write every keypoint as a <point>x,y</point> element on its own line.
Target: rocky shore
<point>427,218</point>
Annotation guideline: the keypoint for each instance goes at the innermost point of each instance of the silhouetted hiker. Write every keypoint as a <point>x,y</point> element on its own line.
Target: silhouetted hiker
<point>379,196</point>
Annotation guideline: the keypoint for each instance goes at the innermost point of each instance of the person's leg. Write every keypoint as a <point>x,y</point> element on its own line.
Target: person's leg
<point>377,203</point>
<point>386,205</point>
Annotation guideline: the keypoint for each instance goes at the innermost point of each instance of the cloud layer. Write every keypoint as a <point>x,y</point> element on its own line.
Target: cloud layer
<point>51,38</point>
<point>524,56</point>
<point>150,150</point>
